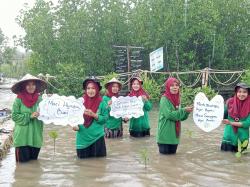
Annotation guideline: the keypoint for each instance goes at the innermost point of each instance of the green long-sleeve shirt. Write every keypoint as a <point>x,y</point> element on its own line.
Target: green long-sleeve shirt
<point>112,123</point>
<point>28,131</point>
<point>87,136</point>
<point>229,136</point>
<point>142,123</point>
<point>168,115</point>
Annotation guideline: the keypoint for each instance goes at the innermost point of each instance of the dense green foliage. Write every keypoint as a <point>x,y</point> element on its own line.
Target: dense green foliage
<point>81,34</point>
<point>188,94</point>
<point>11,62</point>
<point>246,77</point>
<point>152,87</point>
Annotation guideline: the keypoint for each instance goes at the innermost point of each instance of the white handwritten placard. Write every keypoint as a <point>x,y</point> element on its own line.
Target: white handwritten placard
<point>127,107</point>
<point>61,110</point>
<point>207,114</point>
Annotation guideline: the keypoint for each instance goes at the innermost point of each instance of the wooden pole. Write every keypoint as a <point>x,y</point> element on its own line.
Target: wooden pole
<point>205,77</point>
<point>129,68</point>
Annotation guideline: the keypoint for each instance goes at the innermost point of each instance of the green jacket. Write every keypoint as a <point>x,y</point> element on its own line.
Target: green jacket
<point>87,136</point>
<point>112,123</point>
<point>28,131</point>
<point>142,123</point>
<point>168,115</point>
<point>229,136</point>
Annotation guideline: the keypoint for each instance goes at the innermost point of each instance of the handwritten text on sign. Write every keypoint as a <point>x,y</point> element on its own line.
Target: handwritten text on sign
<point>129,107</point>
<point>207,114</point>
<point>61,110</point>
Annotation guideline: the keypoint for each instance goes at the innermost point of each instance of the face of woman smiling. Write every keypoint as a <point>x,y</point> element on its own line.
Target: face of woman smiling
<point>242,94</point>
<point>136,85</point>
<point>91,90</point>
<point>30,87</point>
<point>115,88</point>
<point>174,88</point>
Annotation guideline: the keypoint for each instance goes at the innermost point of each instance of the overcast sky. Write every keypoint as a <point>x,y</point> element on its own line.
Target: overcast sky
<point>9,10</point>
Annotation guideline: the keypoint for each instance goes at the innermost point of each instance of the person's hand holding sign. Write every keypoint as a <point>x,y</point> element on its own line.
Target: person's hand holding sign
<point>90,113</point>
<point>189,109</point>
<point>75,128</point>
<point>110,103</point>
<point>87,112</point>
<point>225,121</point>
<point>233,123</point>
<point>126,119</point>
<point>35,115</point>
<point>144,98</point>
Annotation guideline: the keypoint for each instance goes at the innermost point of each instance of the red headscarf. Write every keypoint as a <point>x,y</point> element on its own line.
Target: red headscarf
<point>109,90</point>
<point>28,99</point>
<point>174,99</point>
<point>91,103</point>
<point>238,109</point>
<point>139,92</point>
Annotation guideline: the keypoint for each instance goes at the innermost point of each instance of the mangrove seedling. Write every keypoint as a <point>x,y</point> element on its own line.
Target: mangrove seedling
<point>54,135</point>
<point>144,156</point>
<point>189,133</point>
<point>242,148</point>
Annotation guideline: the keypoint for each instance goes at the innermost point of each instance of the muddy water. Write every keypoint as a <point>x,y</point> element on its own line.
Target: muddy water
<point>198,162</point>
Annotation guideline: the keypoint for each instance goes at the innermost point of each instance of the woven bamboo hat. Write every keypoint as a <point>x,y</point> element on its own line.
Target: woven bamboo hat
<point>113,80</point>
<point>41,85</point>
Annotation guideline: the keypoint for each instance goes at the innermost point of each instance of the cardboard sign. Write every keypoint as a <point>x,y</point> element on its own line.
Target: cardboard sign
<point>61,110</point>
<point>127,107</point>
<point>207,114</point>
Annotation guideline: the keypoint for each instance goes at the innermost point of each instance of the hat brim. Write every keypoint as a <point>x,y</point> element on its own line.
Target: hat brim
<point>40,85</point>
<point>84,84</point>
<point>107,84</point>
<point>137,78</point>
<point>245,86</point>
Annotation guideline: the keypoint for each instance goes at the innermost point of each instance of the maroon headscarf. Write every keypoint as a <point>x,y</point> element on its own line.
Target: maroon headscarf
<point>174,99</point>
<point>138,93</point>
<point>91,103</point>
<point>29,100</point>
<point>109,90</point>
<point>238,109</point>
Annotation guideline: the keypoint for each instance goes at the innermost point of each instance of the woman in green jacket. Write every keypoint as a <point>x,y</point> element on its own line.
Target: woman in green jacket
<point>28,131</point>
<point>237,119</point>
<point>140,127</point>
<point>170,115</point>
<point>113,126</point>
<point>90,135</point>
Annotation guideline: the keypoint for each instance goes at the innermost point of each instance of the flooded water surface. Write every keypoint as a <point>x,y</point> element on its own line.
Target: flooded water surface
<point>198,162</point>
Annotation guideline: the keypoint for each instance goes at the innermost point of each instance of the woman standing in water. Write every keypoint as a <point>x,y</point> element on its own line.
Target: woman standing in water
<point>139,127</point>
<point>170,115</point>
<point>237,119</point>
<point>90,135</point>
<point>113,126</point>
<point>28,131</point>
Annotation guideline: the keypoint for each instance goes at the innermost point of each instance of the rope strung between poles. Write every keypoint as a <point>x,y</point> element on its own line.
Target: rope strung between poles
<point>212,74</point>
<point>221,83</point>
<point>225,81</point>
<point>192,85</point>
<point>52,86</point>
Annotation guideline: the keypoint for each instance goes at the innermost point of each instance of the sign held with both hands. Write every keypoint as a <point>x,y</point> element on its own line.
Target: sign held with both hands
<point>61,110</point>
<point>127,107</point>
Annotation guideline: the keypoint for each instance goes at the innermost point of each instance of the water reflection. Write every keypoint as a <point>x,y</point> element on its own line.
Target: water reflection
<point>198,162</point>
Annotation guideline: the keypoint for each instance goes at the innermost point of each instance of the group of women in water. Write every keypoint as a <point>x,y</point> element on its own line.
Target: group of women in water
<point>98,124</point>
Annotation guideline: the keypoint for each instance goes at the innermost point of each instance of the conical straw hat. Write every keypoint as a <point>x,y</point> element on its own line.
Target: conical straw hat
<point>113,80</point>
<point>41,85</point>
